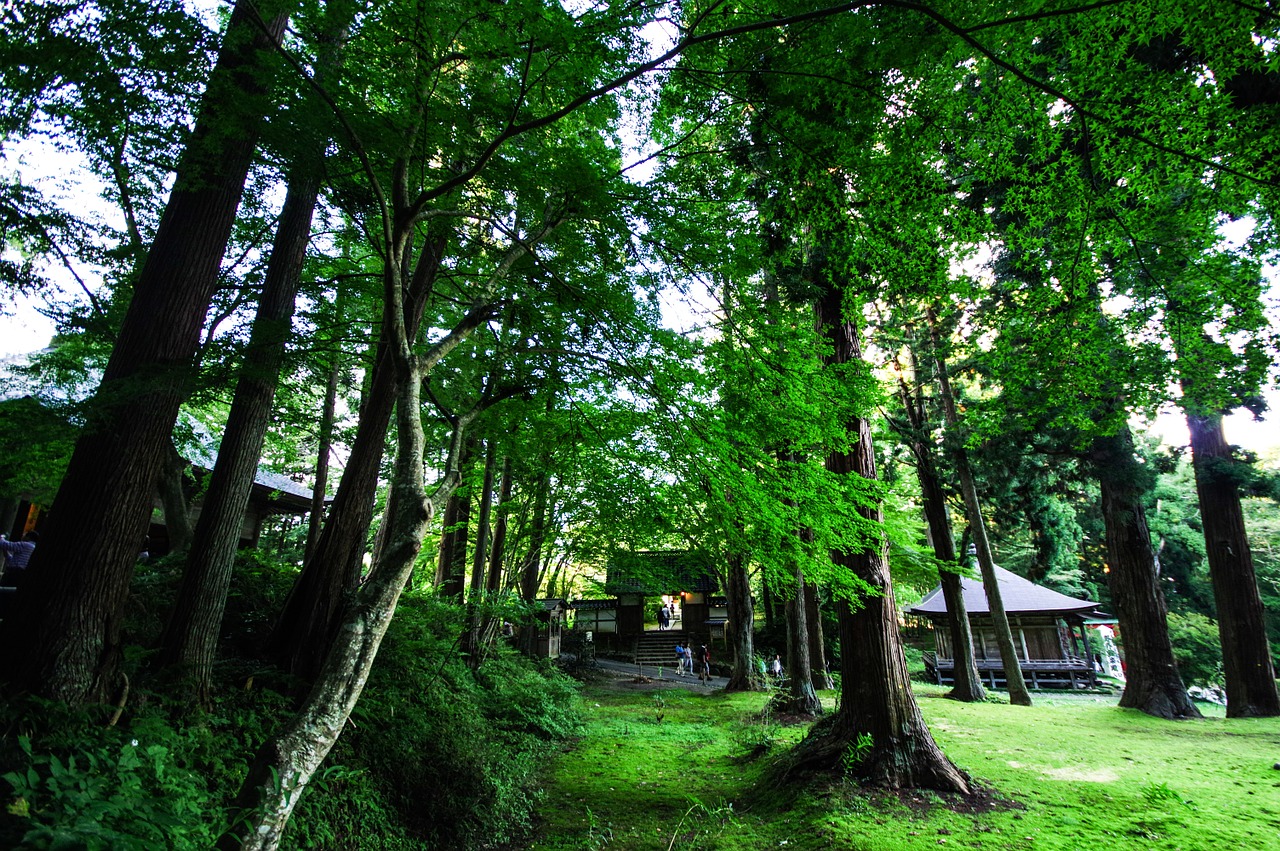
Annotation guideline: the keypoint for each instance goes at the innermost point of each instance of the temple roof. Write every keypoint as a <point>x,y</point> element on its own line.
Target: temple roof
<point>662,572</point>
<point>1020,596</point>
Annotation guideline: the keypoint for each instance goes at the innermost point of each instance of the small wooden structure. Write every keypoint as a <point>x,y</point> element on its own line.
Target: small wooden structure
<point>595,616</point>
<point>634,577</point>
<point>717,616</point>
<point>1049,634</point>
<point>550,626</point>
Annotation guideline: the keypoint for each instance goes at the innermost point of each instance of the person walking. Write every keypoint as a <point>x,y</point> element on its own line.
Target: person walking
<point>704,664</point>
<point>679,659</point>
<point>16,555</point>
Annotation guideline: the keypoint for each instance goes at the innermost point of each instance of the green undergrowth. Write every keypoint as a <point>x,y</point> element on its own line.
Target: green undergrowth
<point>434,756</point>
<point>1065,774</point>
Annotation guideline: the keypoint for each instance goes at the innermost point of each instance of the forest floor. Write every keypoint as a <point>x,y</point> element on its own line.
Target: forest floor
<point>663,767</point>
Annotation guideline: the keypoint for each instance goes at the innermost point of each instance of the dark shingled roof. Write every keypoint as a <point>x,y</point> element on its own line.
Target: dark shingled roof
<point>664,572</point>
<point>1020,596</point>
<point>588,605</point>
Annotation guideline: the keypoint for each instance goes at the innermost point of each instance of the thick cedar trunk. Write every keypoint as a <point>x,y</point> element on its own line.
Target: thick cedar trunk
<point>817,640</point>
<point>170,485</point>
<point>802,699</point>
<point>741,627</point>
<point>1246,652</point>
<point>878,719</point>
<point>311,611</point>
<point>191,638</point>
<point>1009,661</point>
<point>1152,681</point>
<point>65,643</point>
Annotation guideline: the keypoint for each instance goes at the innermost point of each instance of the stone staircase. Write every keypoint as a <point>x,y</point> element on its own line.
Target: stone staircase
<point>658,647</point>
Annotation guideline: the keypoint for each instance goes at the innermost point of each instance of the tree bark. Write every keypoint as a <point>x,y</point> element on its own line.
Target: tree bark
<point>1152,681</point>
<point>451,569</point>
<point>484,522</point>
<point>324,449</point>
<point>65,643</point>
<point>741,627</point>
<point>170,484</point>
<point>1246,651</point>
<point>817,638</point>
<point>530,566</point>
<point>967,685</point>
<point>1018,693</point>
<point>766,592</point>
<point>878,731</point>
<point>285,764</point>
<point>191,638</point>
<point>803,699</point>
<point>493,581</point>
<point>302,632</point>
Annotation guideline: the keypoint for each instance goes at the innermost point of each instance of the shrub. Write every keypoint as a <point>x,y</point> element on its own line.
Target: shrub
<point>1196,647</point>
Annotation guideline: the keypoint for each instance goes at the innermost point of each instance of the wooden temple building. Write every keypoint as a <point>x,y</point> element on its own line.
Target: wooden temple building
<point>637,583</point>
<point>1049,633</point>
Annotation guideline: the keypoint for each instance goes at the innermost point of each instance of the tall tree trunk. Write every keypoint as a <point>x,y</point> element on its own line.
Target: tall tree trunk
<point>324,449</point>
<point>530,566</point>
<point>310,614</point>
<point>484,522</point>
<point>817,641</point>
<point>285,764</point>
<point>452,568</point>
<point>766,592</point>
<point>803,698</point>
<point>1018,694</point>
<point>1246,652</point>
<point>65,643</point>
<point>1152,681</point>
<point>878,723</point>
<point>190,640</point>
<point>493,582</point>
<point>171,486</point>
<point>741,627</point>
<point>967,685</point>
<point>473,643</point>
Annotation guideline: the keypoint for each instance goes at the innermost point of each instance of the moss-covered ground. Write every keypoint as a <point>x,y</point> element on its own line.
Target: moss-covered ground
<point>674,768</point>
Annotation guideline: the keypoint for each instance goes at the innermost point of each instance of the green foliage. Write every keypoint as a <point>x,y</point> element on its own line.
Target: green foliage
<point>1196,647</point>
<point>112,796</point>
<point>429,730</point>
<point>856,754</point>
<point>757,733</point>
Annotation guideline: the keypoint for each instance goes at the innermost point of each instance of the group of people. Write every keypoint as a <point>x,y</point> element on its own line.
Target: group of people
<point>666,614</point>
<point>688,660</point>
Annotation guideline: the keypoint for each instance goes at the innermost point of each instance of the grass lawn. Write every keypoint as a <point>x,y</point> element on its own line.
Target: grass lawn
<point>1074,774</point>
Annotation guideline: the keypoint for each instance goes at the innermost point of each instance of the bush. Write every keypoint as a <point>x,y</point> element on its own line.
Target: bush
<point>435,755</point>
<point>1197,648</point>
<point>454,754</point>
